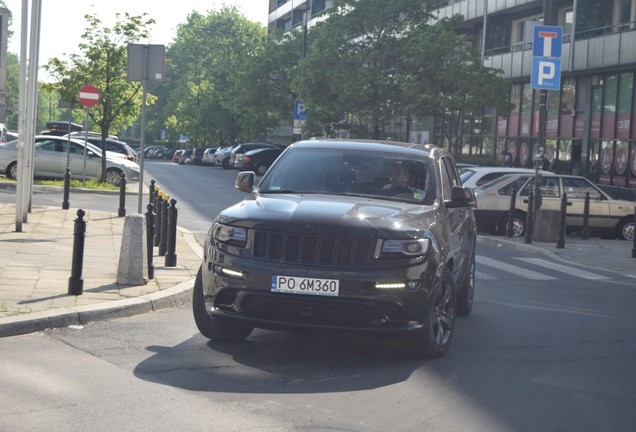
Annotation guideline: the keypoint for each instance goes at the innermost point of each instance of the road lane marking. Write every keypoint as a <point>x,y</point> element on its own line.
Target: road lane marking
<point>509,268</point>
<point>564,269</point>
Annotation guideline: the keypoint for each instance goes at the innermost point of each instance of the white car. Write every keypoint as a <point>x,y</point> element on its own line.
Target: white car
<point>607,217</point>
<point>50,156</point>
<point>477,176</point>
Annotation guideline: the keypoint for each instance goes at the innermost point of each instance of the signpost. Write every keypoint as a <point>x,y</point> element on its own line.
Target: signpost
<point>144,63</point>
<point>88,97</point>
<point>300,116</point>
<point>545,75</point>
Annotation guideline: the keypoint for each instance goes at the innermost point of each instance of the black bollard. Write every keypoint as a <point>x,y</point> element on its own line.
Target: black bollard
<point>67,188</point>
<point>585,232</point>
<point>564,209</point>
<point>634,237</point>
<point>171,257</point>
<point>163,244</point>
<point>150,232</point>
<point>158,210</point>
<point>151,189</point>
<point>76,281</point>
<point>511,212</point>
<point>122,195</point>
<point>529,219</point>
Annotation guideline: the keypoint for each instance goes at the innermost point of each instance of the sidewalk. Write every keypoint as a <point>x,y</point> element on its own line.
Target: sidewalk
<point>35,267</point>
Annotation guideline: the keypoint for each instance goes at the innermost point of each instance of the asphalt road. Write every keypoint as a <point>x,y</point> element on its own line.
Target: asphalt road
<point>544,350</point>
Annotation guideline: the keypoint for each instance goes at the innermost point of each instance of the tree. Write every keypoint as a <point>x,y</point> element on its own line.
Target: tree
<point>352,64</point>
<point>446,78</point>
<point>212,92</point>
<point>103,63</point>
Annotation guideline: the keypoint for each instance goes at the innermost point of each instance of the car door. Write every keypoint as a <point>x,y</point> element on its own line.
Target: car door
<point>76,163</point>
<point>575,189</point>
<point>458,219</point>
<point>48,158</point>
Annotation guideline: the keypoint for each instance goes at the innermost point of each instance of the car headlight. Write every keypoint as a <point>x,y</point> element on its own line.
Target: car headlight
<point>228,234</point>
<point>412,247</point>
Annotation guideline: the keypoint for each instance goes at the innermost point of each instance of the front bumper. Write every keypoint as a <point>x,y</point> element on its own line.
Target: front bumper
<point>360,307</point>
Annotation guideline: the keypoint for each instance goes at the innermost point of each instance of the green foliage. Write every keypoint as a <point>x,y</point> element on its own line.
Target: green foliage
<point>215,89</point>
<point>354,59</point>
<point>103,63</point>
<point>448,79</point>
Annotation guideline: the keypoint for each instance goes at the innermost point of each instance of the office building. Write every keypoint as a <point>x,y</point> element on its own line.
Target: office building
<point>590,126</point>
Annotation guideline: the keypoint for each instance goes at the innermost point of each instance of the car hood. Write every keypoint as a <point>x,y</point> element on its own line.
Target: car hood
<point>337,215</point>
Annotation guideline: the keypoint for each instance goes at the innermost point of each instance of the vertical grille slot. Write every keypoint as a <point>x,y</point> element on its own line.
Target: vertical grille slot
<point>276,246</point>
<point>260,244</point>
<point>293,248</point>
<point>311,249</point>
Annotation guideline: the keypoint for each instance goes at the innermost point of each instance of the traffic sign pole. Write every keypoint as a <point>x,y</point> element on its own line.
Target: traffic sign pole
<point>89,97</point>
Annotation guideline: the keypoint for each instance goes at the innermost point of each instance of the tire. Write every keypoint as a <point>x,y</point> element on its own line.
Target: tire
<point>12,170</point>
<point>261,169</point>
<point>466,291</point>
<point>518,225</point>
<point>225,164</point>
<point>214,328</point>
<point>113,176</point>
<point>436,339</point>
<point>625,229</point>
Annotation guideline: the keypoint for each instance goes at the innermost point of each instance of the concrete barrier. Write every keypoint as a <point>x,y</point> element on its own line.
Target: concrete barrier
<point>546,226</point>
<point>133,264</point>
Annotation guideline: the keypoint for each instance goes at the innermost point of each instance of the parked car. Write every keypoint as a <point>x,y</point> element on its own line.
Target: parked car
<point>111,144</point>
<point>327,241</point>
<point>222,157</point>
<point>184,156</point>
<point>50,156</point>
<point>607,216</point>
<point>242,148</point>
<point>477,176</point>
<point>257,160</point>
<point>197,156</point>
<point>208,155</point>
<point>177,154</point>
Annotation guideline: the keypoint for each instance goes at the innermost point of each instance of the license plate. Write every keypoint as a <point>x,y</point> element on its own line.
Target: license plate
<point>301,285</point>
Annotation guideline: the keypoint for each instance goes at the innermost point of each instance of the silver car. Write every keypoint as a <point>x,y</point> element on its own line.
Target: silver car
<point>50,156</point>
<point>607,216</point>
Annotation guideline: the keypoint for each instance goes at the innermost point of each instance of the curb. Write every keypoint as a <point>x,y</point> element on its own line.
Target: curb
<point>29,323</point>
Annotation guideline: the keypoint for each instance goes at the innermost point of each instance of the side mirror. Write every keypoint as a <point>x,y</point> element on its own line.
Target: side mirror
<point>461,196</point>
<point>245,181</point>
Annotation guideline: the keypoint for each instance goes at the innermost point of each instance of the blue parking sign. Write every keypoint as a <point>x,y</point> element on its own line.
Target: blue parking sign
<point>300,113</point>
<point>546,74</point>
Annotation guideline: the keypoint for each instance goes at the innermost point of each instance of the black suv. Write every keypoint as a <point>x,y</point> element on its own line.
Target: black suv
<point>364,236</point>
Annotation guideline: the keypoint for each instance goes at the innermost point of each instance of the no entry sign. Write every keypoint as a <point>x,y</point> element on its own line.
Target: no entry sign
<point>89,95</point>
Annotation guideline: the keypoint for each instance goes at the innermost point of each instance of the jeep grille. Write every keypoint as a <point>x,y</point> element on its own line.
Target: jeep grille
<point>312,249</point>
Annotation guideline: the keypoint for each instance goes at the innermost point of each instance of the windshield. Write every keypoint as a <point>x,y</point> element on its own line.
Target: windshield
<point>348,172</point>
<point>465,174</point>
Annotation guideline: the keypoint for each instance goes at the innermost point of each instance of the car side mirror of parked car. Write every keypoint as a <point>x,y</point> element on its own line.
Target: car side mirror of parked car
<point>461,196</point>
<point>245,181</point>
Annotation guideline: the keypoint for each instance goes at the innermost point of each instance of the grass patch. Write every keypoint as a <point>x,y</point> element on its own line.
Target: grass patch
<point>90,184</point>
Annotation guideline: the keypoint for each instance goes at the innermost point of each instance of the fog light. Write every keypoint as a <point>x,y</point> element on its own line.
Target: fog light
<point>232,273</point>
<point>223,271</point>
<point>411,285</point>
<point>390,285</point>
